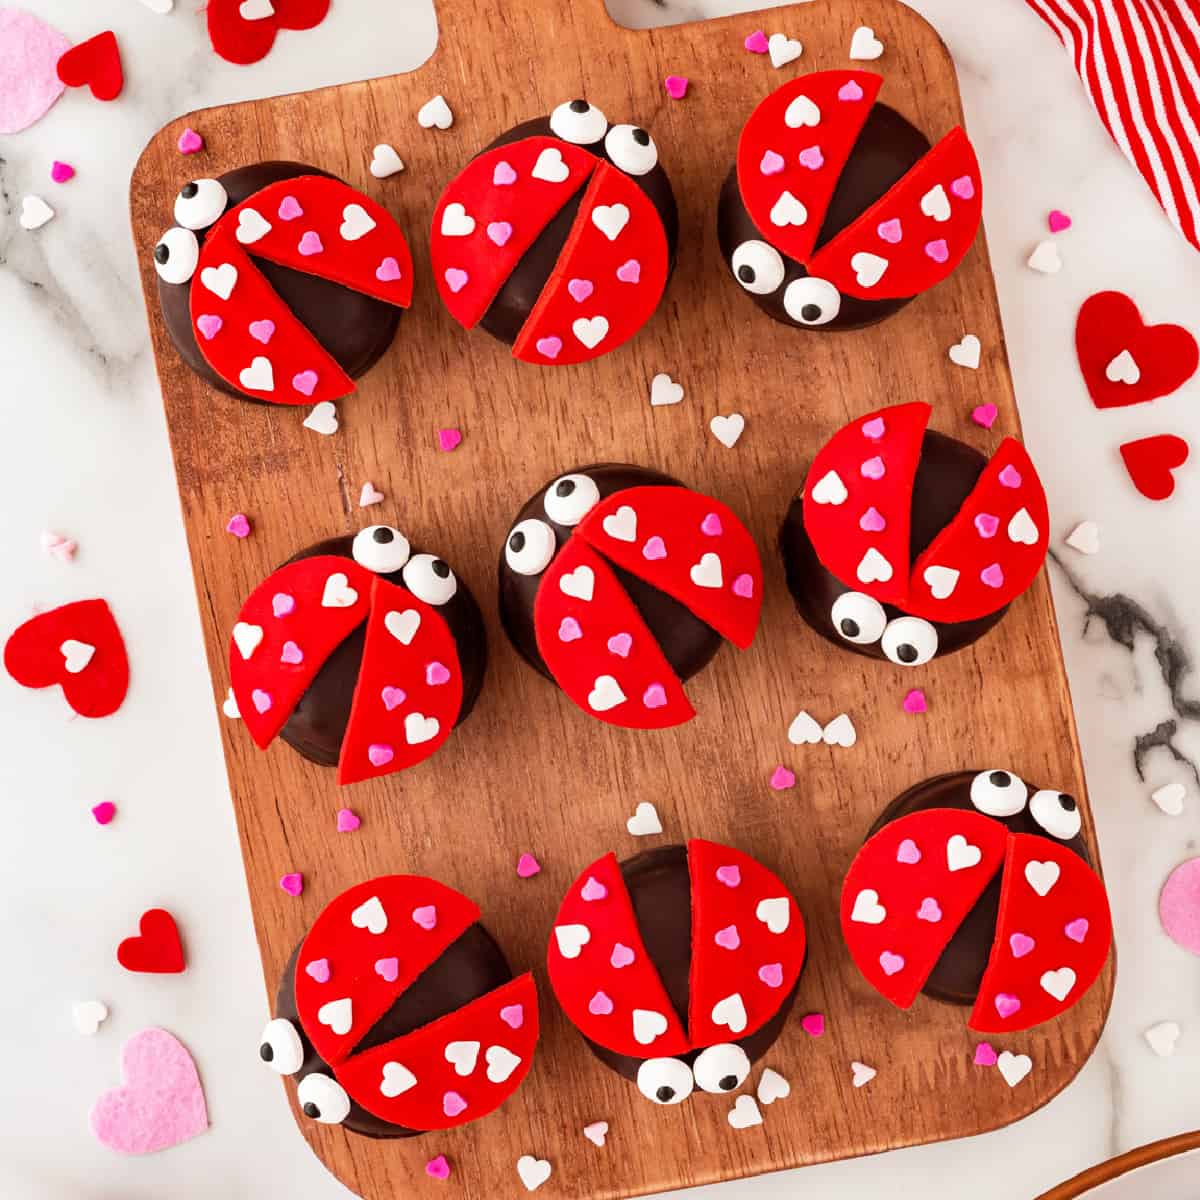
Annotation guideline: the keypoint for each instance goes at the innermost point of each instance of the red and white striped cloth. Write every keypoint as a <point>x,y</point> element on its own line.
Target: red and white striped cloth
<point>1140,63</point>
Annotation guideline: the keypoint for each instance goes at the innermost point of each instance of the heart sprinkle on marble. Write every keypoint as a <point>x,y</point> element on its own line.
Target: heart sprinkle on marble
<point>61,172</point>
<point>782,779</point>
<point>292,883</point>
<point>813,1024</point>
<point>915,702</point>
<point>1170,798</point>
<point>1085,538</point>
<point>449,439</point>
<point>676,86</point>
<point>190,142</point>
<point>347,820</point>
<point>1058,221</point>
<point>104,812</point>
<point>528,866</point>
<point>985,1056</point>
<point>1161,1038</point>
<point>57,546</point>
<point>238,525</point>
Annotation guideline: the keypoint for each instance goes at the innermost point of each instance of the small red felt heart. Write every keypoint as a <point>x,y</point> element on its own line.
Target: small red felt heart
<point>1124,360</point>
<point>157,948</point>
<point>96,63</point>
<point>243,31</point>
<point>1150,462</point>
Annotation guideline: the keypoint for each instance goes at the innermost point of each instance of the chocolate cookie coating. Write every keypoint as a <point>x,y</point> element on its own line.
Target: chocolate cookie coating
<point>688,643</point>
<point>946,475</point>
<point>660,887</point>
<point>472,966</point>
<point>959,972</point>
<point>515,300</point>
<point>886,150</point>
<point>354,329</point>
<point>318,723</point>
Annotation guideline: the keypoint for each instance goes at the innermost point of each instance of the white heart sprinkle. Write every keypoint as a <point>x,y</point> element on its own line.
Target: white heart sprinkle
<point>1058,983</point>
<point>550,167</point>
<point>259,376</point>
<point>647,1025</point>
<point>323,418</point>
<point>572,939</point>
<point>787,210</point>
<point>247,637</point>
<point>397,1079</point>
<point>645,820</point>
<point>867,910</point>
<point>35,212</point>
<point>1162,1038</point>
<point>1014,1067</point>
<point>829,489</point>
<point>874,568</point>
<point>256,10</point>
<point>804,730</point>
<point>419,728</point>
<point>775,913</point>
<point>864,45</point>
<point>591,331</point>
<point>727,429</point>
<point>606,694</point>
<point>745,1113</point>
<point>596,1132</point>
<point>772,1086</point>
<point>252,226</point>
<point>435,113</point>
<point>610,219</point>
<point>462,1056</point>
<point>403,626</point>
<point>936,204</point>
<point>338,1015</point>
<point>840,732</point>
<point>356,223</point>
<point>1042,876</point>
<point>802,113</point>
<point>162,7</point>
<point>1022,530</point>
<point>868,268</point>
<point>385,161</point>
<point>1170,798</point>
<point>967,353</point>
<point>370,915</point>
<point>862,1074</point>
<point>1045,258</point>
<point>622,525</point>
<point>579,583</point>
<point>1085,538</point>
<point>88,1016</point>
<point>664,390</point>
<point>941,580</point>
<point>456,221</point>
<point>337,592</point>
<point>707,572</point>
<point>229,706</point>
<point>501,1063</point>
<point>961,855</point>
<point>220,280</point>
<point>783,49</point>
<point>369,495</point>
<point>533,1171</point>
<point>76,655</point>
<point>730,1012</point>
<point>1123,369</point>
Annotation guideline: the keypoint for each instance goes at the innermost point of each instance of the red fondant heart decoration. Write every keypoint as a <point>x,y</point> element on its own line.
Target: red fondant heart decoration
<point>78,647</point>
<point>1151,463</point>
<point>156,950</point>
<point>1124,360</point>
<point>243,31</point>
<point>95,64</point>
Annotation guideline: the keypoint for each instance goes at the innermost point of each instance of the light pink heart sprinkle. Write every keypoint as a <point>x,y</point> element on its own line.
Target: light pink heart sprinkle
<point>292,883</point>
<point>393,697</point>
<point>449,439</point>
<point>1010,477</point>
<point>874,429</point>
<point>456,279</point>
<point>1058,221</point>
<point>283,604</point>
<point>318,970</point>
<point>106,810</point>
<point>872,521</point>
<point>984,415</point>
<point>621,956</point>
<point>347,820</point>
<point>513,1015</point>
<point>812,158</point>
<point>1007,1004</point>
<point>930,911</point>
<point>938,250</point>
<point>782,779</point>
<point>388,969</point>
<point>655,696</point>
<point>771,974</point>
<point>438,1168</point>
<point>730,875</point>
<point>388,271</point>
<point>620,644</point>
<point>261,700</point>
<point>728,938</point>
<point>569,630</point>
<point>549,347</point>
<point>61,172</point>
<point>238,525</point>
<point>963,187</point>
<point>676,85</point>
<point>291,653</point>
<point>453,1104</point>
<point>1077,930</point>
<point>1021,944</point>
<point>503,174</point>
<point>436,674</point>
<point>711,525</point>
<point>756,43</point>
<point>580,289</point>
<point>630,271</point>
<point>813,1024</point>
<point>771,164</point>
<point>908,852</point>
<point>600,1005</point>
<point>62,548</point>
<point>986,525</point>
<point>992,576</point>
<point>850,92</point>
<point>985,1056</point>
<point>593,890</point>
<point>873,468</point>
<point>528,866</point>
<point>289,209</point>
<point>380,754</point>
<point>892,964</point>
<point>209,326</point>
<point>743,586</point>
<point>190,142</point>
<point>425,916</point>
<point>311,244</point>
<point>499,232</point>
<point>915,702</point>
<point>262,331</point>
<point>305,382</point>
<point>654,549</point>
<point>891,231</point>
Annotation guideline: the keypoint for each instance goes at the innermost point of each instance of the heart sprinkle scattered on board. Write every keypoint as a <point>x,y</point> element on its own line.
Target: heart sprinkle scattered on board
<point>967,352</point>
<point>727,429</point>
<point>783,49</point>
<point>862,1074</point>
<point>645,820</point>
<point>435,114</point>
<point>745,1113</point>
<point>840,732</point>
<point>385,162</point>
<point>438,1168</point>
<point>915,702</point>
<point>292,883</point>
<point>664,390</point>
<point>985,1056</point>
<point>238,525</point>
<point>984,415</point>
<point>676,86</point>
<point>782,779</point>
<point>449,439</point>
<point>190,142</point>
<point>369,495</point>
<point>1085,538</point>
<point>757,42</point>
<point>323,418</point>
<point>528,866</point>
<point>229,706</point>
<point>804,730</point>
<point>347,820</point>
<point>1014,1067</point>
<point>533,1171</point>
<point>1045,258</point>
<point>596,1132</point>
<point>864,45</point>
<point>772,1086</point>
<point>1170,798</point>
<point>813,1024</point>
<point>104,812</point>
<point>1162,1037</point>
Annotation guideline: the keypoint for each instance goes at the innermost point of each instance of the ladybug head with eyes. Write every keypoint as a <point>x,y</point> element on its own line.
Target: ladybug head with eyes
<point>679,966</point>
<point>559,237</point>
<point>838,212</point>
<point>905,544</point>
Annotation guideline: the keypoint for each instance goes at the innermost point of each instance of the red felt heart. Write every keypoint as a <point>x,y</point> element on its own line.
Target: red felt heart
<point>96,63</point>
<point>157,948</point>
<point>1124,360</point>
<point>239,34</point>
<point>53,648</point>
<point>1150,462</point>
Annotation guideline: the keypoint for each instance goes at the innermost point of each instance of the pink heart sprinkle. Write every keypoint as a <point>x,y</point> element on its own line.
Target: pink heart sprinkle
<point>528,866</point>
<point>908,852</point>
<point>892,964</point>
<point>569,630</point>
<point>1007,1004</point>
<point>630,271</point>
<point>261,700</point>
<point>1058,221</point>
<point>503,175</point>
<point>600,1005</point>
<point>620,644</point>
<point>813,1024</point>
<point>1077,930</point>
<point>262,331</point>
<point>499,232</point>
<point>453,1104</point>
<point>456,279</point>
<point>812,158</point>
<point>393,697</point>
<point>513,1015</point>
<point>655,696</point>
<point>992,576</point>
<point>985,1056</point>
<point>1010,477</point>
<point>388,271</point>
<point>938,250</point>
<point>291,653</point>
<point>388,969</point>
<point>984,415</point>
<point>60,172</point>
<point>549,347</point>
<point>872,521</point>
<point>771,974</point>
<point>438,1168</point>
<point>289,209</point>
<point>283,604</point>
<point>238,525</point>
<point>305,382</point>
<point>728,938</point>
<point>292,883</point>
<point>850,92</point>
<point>380,754</point>
<point>621,956</point>
<point>891,231</point>
<point>711,525</point>
<point>963,187</point>
<point>209,326</point>
<point>311,244</point>
<point>655,548</point>
<point>771,164</point>
<point>986,525</point>
<point>106,810</point>
<point>782,779</point>
<point>347,821</point>
<point>729,875</point>
<point>930,911</point>
<point>874,429</point>
<point>436,674</point>
<point>1022,944</point>
<point>593,890</point>
<point>743,586</point>
<point>580,289</point>
<point>449,439</point>
<point>915,702</point>
<point>676,85</point>
<point>873,468</point>
<point>318,970</point>
<point>190,142</point>
<point>425,916</point>
<point>756,43</point>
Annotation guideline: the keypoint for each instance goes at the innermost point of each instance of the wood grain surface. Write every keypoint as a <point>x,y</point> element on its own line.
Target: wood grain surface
<point>530,772</point>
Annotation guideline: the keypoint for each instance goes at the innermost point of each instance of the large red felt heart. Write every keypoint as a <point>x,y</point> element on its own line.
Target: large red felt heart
<point>243,31</point>
<point>157,948</point>
<point>1150,462</point>
<point>96,63</point>
<point>77,646</point>
<point>1124,360</point>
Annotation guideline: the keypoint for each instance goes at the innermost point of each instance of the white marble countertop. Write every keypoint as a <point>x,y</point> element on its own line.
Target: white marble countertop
<point>88,456</point>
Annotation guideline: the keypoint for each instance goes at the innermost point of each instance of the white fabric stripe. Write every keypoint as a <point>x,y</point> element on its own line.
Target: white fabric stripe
<point>1068,38</point>
<point>1111,105</point>
<point>1185,58</point>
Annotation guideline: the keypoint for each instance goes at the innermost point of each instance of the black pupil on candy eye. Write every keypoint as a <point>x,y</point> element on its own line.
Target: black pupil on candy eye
<point>517,542</point>
<point>665,1094</point>
<point>641,137</point>
<point>189,190</point>
<point>1067,802</point>
<point>162,252</point>
<point>579,106</point>
<point>440,569</point>
<point>383,535</point>
<point>906,653</point>
<point>746,274</point>
<point>811,312</point>
<point>850,628</point>
<point>565,488</point>
<point>265,1052</point>
<point>311,1110</point>
<point>728,1083</point>
<point>1000,779</point>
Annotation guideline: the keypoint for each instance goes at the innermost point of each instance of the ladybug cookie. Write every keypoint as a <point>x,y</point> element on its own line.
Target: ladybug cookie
<point>398,1013</point>
<point>905,543</point>
<point>280,283</point>
<point>559,237</point>
<point>358,652</point>
<point>619,583</point>
<point>679,965</point>
<point>977,890</point>
<point>838,212</point>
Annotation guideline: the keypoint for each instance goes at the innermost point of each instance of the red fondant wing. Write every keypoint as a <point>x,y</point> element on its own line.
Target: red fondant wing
<point>914,236</point>
<point>861,477</point>
<point>297,609</point>
<point>409,690</point>
<point>902,902</point>
<point>410,1082</point>
<point>992,550</point>
<point>821,114</point>
<point>600,998</point>
<point>687,545</point>
<point>505,207</point>
<point>366,948</point>
<point>1049,948</point>
<point>748,973</point>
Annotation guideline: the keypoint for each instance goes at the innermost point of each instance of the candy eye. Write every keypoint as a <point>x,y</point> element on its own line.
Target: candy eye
<point>570,499</point>
<point>1057,813</point>
<point>721,1068</point>
<point>998,793</point>
<point>665,1080</point>
<point>909,641</point>
<point>280,1047</point>
<point>758,267</point>
<point>323,1099</point>
<point>578,122</point>
<point>430,579</point>
<point>632,149</point>
<point>176,255</point>
<point>530,547</point>
<point>381,549</point>
<point>812,301</point>
<point>200,203</point>
<point>858,618</point>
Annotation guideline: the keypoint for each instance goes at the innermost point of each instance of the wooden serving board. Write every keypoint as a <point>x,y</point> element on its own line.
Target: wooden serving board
<point>530,772</point>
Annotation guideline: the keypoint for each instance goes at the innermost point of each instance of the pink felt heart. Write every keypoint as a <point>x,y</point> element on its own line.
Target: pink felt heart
<point>380,754</point>
<point>528,866</point>
<point>1179,905</point>
<point>985,1056</point>
<point>600,1005</point>
<point>347,821</point>
<point>209,325</point>
<point>292,883</point>
<point>436,674</point>
<point>262,331</point>
<point>289,209</point>
<point>730,875</point>
<point>161,1102</point>
<point>29,83</point>
<point>630,271</point>
<point>813,1024</point>
<point>621,956</point>
<point>513,1015</point>
<point>872,521</point>
<point>655,696</point>
<point>311,244</point>
<point>499,232</point>
<point>929,911</point>
<point>915,702</point>
<point>756,43</point>
<point>190,142</point>
<point>1007,1004</point>
<point>676,85</point>
<point>393,697</point>
<point>448,439</point>
<point>984,415</point>
<point>456,279</point>
<point>593,890</point>
<point>812,158</point>
<point>654,549</point>
<point>938,250</point>
<point>850,92</point>
<point>1077,930</point>
<point>549,347</point>
<point>771,974</point>
<point>569,630</point>
<point>305,382</point>
<point>104,812</point>
<point>891,964</point>
<point>772,163</point>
